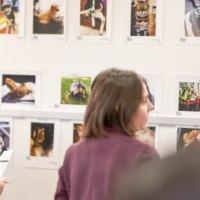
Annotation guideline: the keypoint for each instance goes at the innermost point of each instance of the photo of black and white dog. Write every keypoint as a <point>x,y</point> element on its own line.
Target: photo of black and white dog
<point>192,18</point>
<point>93,17</point>
<point>9,13</point>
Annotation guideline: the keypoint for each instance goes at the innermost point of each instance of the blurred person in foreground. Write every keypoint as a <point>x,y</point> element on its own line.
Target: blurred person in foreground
<point>176,177</point>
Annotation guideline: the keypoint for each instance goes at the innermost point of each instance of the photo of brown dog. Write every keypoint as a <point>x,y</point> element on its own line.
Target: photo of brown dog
<point>48,17</point>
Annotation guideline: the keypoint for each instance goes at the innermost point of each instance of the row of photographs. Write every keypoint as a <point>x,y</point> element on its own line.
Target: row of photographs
<point>41,143</point>
<point>24,89</point>
<point>144,20</point>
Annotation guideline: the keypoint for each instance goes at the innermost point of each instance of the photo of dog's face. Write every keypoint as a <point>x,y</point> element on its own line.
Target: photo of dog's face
<point>48,17</point>
<point>7,9</point>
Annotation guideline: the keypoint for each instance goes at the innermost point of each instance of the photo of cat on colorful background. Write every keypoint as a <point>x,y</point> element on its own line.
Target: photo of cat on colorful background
<point>143,17</point>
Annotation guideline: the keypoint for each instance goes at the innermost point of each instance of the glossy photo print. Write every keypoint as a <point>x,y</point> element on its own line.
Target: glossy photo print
<point>147,136</point>
<point>18,89</point>
<point>9,16</point>
<point>189,96</point>
<point>192,18</point>
<point>143,17</point>
<point>48,16</point>
<point>77,132</point>
<point>41,139</point>
<point>187,137</point>
<point>93,17</point>
<point>4,136</point>
<point>75,90</point>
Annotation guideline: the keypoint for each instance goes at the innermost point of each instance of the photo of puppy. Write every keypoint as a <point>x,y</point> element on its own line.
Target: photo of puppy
<point>48,17</point>
<point>143,17</point>
<point>75,90</point>
<point>18,89</point>
<point>93,17</point>
<point>192,18</point>
<point>4,136</point>
<point>9,14</point>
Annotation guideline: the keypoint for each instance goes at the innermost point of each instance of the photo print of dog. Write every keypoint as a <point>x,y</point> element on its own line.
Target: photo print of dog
<point>4,136</point>
<point>48,16</point>
<point>18,89</point>
<point>93,17</point>
<point>41,139</point>
<point>143,17</point>
<point>75,90</point>
<point>9,15</point>
<point>192,18</point>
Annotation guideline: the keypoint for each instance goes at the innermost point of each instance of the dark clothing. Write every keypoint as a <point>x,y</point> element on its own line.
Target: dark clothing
<point>91,164</point>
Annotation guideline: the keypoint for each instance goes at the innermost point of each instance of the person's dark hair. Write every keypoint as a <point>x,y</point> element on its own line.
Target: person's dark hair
<point>115,96</point>
<point>176,177</point>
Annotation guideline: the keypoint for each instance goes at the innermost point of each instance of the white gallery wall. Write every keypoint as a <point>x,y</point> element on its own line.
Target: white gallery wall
<point>55,58</point>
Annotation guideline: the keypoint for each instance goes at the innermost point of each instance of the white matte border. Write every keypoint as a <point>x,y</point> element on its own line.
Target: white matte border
<point>144,39</point>
<point>11,146</point>
<point>38,76</point>
<point>155,80</point>
<point>185,78</point>
<point>185,40</point>
<point>95,39</point>
<point>55,38</point>
<point>40,162</point>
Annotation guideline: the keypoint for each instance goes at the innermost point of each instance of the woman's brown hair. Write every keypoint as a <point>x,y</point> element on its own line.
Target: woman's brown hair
<point>115,96</point>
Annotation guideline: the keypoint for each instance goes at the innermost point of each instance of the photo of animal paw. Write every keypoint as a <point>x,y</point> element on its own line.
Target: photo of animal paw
<point>9,16</point>
<point>75,90</point>
<point>18,89</point>
<point>48,17</point>
<point>93,17</point>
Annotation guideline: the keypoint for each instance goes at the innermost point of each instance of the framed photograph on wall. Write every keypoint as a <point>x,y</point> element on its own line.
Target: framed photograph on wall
<point>188,95</point>
<point>144,21</point>
<point>154,82</point>
<point>187,137</point>
<point>20,89</point>
<point>78,129</point>
<point>74,91</point>
<point>150,136</point>
<point>41,143</point>
<point>6,137</point>
<point>94,21</point>
<point>12,14</point>
<point>190,26</point>
<point>49,20</point>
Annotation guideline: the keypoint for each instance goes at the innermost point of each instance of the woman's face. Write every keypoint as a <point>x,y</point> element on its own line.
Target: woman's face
<point>141,116</point>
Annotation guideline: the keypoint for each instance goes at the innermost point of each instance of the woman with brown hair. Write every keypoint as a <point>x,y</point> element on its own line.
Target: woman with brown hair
<point>118,107</point>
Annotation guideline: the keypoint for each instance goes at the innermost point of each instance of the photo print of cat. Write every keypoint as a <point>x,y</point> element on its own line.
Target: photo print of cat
<point>94,21</point>
<point>144,21</point>
<point>49,20</point>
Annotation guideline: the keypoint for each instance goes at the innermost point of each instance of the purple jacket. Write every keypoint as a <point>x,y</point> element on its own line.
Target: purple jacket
<point>90,165</point>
